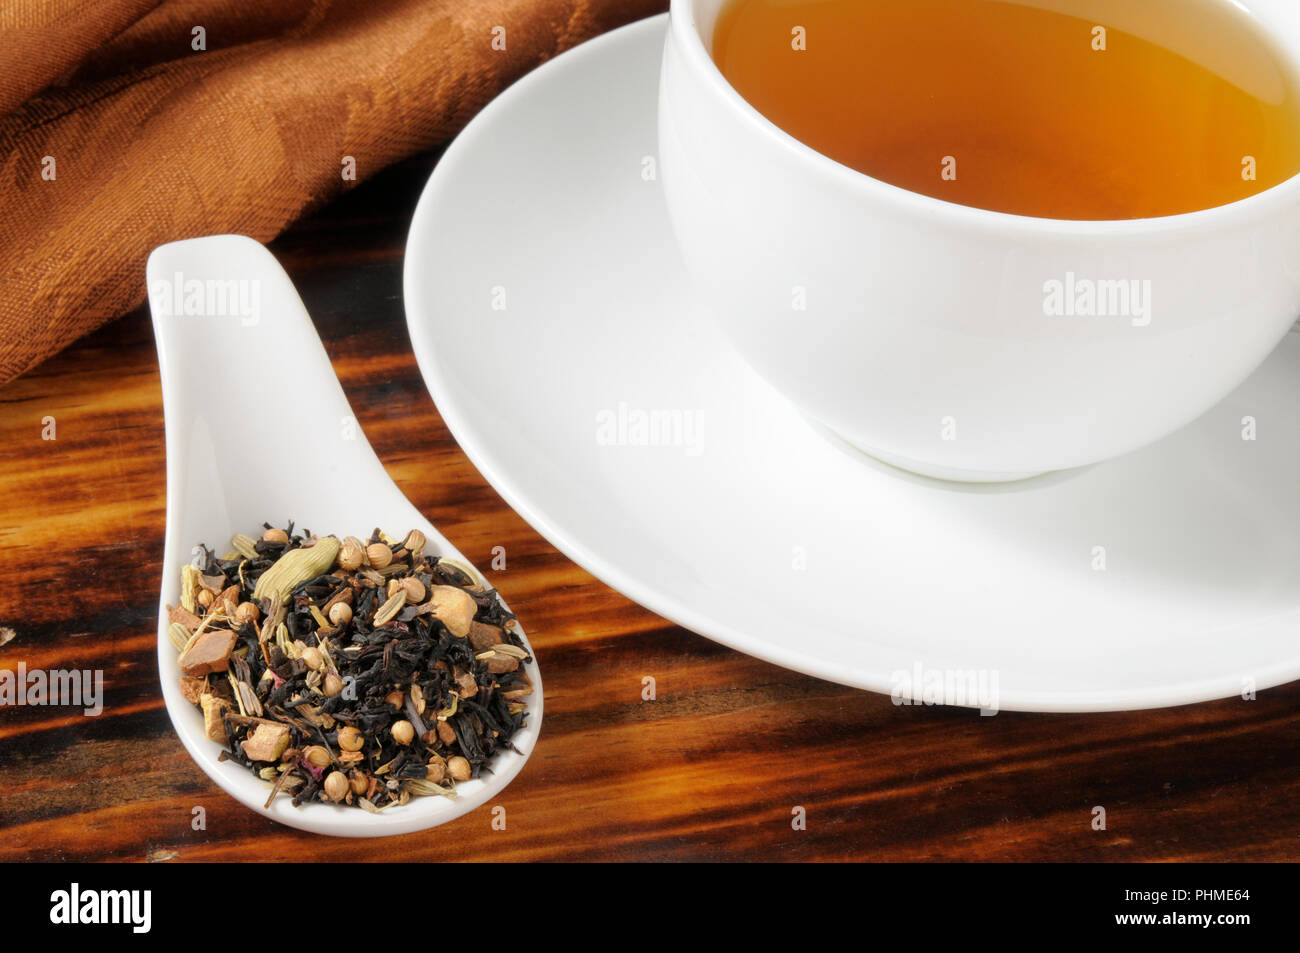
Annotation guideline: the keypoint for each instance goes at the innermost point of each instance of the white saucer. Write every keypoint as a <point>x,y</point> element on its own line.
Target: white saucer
<point>546,301</point>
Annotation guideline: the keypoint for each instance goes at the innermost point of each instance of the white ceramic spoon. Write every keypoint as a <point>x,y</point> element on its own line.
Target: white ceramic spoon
<point>258,429</point>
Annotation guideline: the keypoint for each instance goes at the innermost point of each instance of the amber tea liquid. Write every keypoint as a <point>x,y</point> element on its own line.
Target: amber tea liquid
<point>1066,109</point>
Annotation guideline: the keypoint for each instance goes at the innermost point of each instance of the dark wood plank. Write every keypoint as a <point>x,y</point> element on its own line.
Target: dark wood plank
<point>711,769</point>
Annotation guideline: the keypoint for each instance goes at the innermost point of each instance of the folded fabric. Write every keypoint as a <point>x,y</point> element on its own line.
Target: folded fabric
<point>125,124</point>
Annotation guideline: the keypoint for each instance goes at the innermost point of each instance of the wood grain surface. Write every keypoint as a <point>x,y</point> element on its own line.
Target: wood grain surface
<point>713,768</point>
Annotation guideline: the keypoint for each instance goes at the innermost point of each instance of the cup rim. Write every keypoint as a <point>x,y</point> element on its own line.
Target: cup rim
<point>684,32</point>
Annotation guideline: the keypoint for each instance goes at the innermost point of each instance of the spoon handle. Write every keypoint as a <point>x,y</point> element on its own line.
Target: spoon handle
<point>258,427</point>
<point>238,352</point>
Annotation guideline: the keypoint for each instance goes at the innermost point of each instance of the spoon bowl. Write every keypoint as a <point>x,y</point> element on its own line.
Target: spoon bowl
<point>259,429</point>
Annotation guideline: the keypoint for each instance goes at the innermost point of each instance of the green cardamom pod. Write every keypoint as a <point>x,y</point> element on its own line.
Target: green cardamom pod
<point>296,567</point>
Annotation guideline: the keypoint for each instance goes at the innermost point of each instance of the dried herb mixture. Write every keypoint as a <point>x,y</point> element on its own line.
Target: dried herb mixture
<point>361,673</point>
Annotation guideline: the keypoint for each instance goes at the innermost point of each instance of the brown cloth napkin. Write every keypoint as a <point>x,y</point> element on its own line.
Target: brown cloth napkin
<point>118,133</point>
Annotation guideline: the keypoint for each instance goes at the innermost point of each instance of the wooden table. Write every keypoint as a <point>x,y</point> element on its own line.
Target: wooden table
<point>713,768</point>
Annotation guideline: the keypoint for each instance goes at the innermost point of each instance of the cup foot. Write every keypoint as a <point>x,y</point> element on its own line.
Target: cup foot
<point>920,468</point>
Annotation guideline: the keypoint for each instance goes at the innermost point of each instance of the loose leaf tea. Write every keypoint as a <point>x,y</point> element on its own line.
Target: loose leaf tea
<point>361,673</point>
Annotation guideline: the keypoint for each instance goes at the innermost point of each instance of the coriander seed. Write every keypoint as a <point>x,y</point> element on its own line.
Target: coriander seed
<point>351,556</point>
<point>403,732</point>
<point>316,755</point>
<point>337,786</point>
<point>415,542</point>
<point>415,590</point>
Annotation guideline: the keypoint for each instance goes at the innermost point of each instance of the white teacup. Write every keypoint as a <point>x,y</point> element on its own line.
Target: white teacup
<point>926,333</point>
